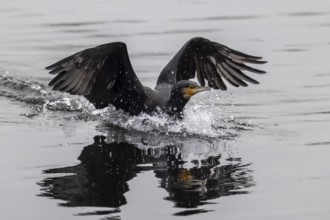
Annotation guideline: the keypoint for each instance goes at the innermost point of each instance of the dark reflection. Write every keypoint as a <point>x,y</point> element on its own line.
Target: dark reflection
<point>101,177</point>
<point>100,180</point>
<point>206,180</point>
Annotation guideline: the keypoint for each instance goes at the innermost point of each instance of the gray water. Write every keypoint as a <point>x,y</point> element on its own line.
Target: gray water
<point>260,152</point>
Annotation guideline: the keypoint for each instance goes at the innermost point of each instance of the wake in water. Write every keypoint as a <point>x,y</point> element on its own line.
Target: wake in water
<point>201,118</point>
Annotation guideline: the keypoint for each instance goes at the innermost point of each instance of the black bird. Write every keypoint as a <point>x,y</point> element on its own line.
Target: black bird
<point>104,75</point>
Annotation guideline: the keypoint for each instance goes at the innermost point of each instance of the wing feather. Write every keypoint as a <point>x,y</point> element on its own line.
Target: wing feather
<point>211,62</point>
<point>198,71</point>
<point>241,66</point>
<point>239,74</point>
<point>102,74</point>
<point>226,75</point>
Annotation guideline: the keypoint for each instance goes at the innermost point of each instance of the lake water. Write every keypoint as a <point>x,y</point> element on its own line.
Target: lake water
<point>260,152</point>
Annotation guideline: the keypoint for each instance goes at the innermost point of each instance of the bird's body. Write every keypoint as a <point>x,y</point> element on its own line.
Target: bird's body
<point>104,75</point>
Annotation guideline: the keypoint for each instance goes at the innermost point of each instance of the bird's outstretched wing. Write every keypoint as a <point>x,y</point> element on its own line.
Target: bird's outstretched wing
<point>103,74</point>
<point>212,62</point>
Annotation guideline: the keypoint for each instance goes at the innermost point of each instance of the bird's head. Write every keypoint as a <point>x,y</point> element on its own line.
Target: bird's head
<point>181,93</point>
<point>186,89</point>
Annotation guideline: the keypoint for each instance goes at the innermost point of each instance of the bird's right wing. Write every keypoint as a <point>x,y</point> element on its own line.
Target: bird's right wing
<point>103,74</point>
<point>211,62</point>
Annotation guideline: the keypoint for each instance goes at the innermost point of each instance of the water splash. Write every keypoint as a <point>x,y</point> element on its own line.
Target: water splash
<point>67,104</point>
<point>202,117</point>
<point>23,91</point>
<point>38,96</point>
<point>199,121</point>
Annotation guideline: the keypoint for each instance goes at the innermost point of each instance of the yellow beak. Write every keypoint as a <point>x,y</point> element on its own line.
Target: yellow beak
<point>189,92</point>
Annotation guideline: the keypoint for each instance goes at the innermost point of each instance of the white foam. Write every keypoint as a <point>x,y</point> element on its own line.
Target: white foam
<point>199,120</point>
<point>202,117</point>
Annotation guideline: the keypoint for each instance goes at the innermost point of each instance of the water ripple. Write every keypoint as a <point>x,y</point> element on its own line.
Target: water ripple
<point>319,143</point>
<point>74,24</point>
<point>316,86</point>
<point>307,13</point>
<point>322,75</point>
<point>216,18</point>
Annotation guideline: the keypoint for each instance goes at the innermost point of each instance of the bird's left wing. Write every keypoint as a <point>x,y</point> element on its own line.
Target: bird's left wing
<point>103,74</point>
<point>211,62</point>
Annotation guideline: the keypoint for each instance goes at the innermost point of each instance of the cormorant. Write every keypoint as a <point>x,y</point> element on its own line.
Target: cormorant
<point>104,75</point>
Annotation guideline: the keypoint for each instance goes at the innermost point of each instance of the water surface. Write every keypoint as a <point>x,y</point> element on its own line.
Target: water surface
<point>250,153</point>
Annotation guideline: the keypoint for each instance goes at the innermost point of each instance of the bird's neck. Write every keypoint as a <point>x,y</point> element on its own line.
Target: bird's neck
<point>176,105</point>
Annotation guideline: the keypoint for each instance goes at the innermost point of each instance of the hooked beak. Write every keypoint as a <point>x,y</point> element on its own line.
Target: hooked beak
<point>192,91</point>
<point>201,89</point>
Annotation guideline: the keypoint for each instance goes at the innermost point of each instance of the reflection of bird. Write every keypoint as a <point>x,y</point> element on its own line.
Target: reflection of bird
<point>101,178</point>
<point>206,180</point>
<point>104,75</point>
